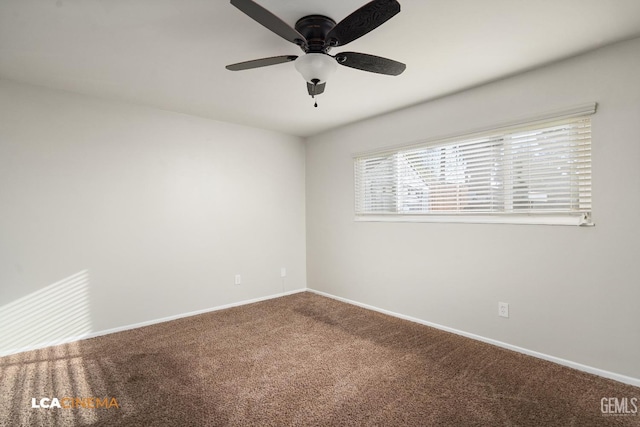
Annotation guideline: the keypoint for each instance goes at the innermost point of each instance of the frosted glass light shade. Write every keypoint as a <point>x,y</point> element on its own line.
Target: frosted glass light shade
<point>316,66</point>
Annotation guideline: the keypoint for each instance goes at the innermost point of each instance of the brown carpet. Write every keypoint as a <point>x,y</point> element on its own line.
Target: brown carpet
<point>300,360</point>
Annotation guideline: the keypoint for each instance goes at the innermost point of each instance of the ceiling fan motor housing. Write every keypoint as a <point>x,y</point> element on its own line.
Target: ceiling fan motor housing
<point>315,28</point>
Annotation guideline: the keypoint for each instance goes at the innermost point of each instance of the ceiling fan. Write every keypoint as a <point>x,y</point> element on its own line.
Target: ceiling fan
<point>317,34</point>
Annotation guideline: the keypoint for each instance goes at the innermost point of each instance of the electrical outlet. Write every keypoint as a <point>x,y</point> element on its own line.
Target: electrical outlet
<point>503,309</point>
<point>238,279</point>
<point>283,272</point>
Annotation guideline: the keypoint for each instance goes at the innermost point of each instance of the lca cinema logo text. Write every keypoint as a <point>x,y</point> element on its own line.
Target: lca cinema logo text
<point>74,402</point>
<point>613,406</point>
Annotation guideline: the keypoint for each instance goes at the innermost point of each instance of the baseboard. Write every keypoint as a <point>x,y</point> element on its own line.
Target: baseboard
<point>589,369</point>
<point>88,335</point>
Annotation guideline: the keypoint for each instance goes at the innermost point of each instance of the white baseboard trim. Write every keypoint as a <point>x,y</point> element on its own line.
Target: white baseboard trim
<point>88,335</point>
<point>589,369</point>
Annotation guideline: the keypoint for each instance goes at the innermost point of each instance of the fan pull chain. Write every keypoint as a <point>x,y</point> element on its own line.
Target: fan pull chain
<point>314,91</point>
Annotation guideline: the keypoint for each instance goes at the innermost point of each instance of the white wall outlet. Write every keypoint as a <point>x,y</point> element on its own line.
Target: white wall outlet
<point>503,309</point>
<point>283,272</point>
<point>238,279</point>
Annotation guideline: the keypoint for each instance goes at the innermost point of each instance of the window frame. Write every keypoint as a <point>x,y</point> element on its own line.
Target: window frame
<point>568,218</point>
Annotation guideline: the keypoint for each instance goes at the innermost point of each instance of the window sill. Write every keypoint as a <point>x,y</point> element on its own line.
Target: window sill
<point>583,220</point>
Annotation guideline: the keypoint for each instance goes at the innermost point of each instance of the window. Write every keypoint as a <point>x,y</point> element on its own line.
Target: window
<point>531,174</point>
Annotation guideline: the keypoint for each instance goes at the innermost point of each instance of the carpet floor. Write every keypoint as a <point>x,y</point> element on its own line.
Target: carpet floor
<point>299,360</point>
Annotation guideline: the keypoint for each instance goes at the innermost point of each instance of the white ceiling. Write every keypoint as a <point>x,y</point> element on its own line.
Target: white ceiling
<point>171,53</point>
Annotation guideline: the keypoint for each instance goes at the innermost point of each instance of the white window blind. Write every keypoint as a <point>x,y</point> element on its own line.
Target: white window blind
<point>542,170</point>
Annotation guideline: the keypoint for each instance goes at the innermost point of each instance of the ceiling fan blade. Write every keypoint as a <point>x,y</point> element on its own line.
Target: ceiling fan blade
<point>269,20</point>
<point>371,63</point>
<point>317,89</point>
<point>263,62</point>
<point>367,18</point>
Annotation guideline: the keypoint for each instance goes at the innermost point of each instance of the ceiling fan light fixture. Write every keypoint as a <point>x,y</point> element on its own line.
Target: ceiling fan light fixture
<point>316,66</point>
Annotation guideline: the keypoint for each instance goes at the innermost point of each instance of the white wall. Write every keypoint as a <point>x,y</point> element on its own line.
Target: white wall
<point>573,292</point>
<point>112,214</point>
